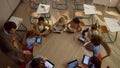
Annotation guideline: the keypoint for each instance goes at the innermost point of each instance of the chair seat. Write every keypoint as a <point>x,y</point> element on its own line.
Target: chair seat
<point>79,0</point>
<point>60,4</point>
<point>103,29</point>
<point>81,15</point>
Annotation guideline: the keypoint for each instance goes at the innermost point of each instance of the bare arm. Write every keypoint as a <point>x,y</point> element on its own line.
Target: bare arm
<point>87,43</point>
<point>50,26</point>
<point>79,29</point>
<point>36,28</point>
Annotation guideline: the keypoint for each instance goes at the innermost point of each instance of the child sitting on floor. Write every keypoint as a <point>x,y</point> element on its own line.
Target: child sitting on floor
<point>37,62</point>
<point>40,27</point>
<point>86,33</point>
<point>61,25</point>
<point>94,44</point>
<point>74,25</point>
<point>31,40</point>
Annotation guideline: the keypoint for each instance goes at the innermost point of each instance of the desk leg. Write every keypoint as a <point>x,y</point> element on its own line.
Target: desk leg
<point>24,30</point>
<point>91,20</point>
<point>112,40</point>
<point>46,19</point>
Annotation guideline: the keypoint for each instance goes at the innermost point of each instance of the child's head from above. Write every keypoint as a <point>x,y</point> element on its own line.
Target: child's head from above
<point>41,20</point>
<point>96,39</point>
<point>37,63</point>
<point>30,34</point>
<point>76,20</point>
<point>94,60</point>
<point>94,26</point>
<point>63,19</point>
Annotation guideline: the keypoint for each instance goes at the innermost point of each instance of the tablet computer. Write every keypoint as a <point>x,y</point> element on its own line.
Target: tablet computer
<point>56,31</point>
<point>82,39</point>
<point>86,59</point>
<point>73,64</point>
<point>49,64</point>
<point>38,40</point>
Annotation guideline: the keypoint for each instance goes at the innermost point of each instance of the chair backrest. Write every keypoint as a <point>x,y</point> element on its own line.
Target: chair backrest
<point>103,29</point>
<point>28,10</point>
<point>60,1</point>
<point>107,49</point>
<point>81,1</point>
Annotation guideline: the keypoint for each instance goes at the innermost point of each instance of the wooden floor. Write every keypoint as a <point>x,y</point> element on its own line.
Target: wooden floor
<point>62,48</point>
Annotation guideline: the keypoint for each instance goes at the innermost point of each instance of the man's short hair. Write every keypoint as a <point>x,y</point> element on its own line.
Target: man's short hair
<point>9,25</point>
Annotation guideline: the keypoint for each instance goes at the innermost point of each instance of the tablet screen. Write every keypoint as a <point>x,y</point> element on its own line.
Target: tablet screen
<point>86,59</point>
<point>82,39</point>
<point>39,40</point>
<point>57,31</point>
<point>48,64</point>
<point>73,64</point>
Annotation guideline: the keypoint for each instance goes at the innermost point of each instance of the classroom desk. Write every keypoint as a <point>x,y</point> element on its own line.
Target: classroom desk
<point>89,10</point>
<point>113,26</point>
<point>19,22</point>
<point>41,10</point>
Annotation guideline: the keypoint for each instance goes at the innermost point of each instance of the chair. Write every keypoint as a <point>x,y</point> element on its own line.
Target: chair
<point>47,15</point>
<point>30,13</point>
<point>43,1</point>
<point>60,4</point>
<point>80,14</point>
<point>104,30</point>
<point>79,4</point>
<point>35,3</point>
